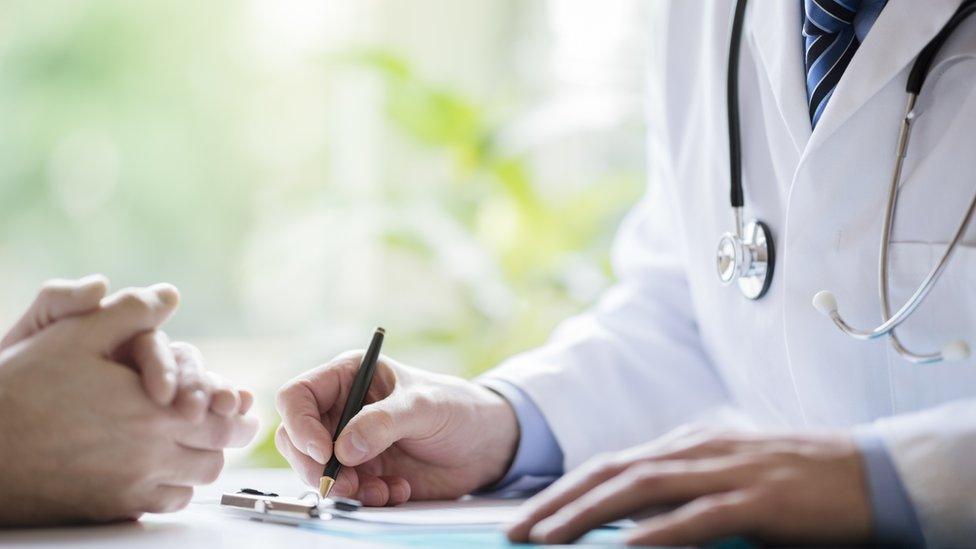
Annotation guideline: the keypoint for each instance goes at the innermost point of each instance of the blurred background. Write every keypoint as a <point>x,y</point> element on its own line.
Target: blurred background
<point>303,170</point>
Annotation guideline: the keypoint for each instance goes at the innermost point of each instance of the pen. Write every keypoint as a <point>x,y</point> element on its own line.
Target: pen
<point>354,403</point>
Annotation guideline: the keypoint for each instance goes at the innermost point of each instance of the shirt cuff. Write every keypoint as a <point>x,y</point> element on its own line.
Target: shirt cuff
<point>892,511</point>
<point>538,459</point>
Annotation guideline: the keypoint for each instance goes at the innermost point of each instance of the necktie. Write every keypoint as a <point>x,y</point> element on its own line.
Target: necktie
<point>828,30</point>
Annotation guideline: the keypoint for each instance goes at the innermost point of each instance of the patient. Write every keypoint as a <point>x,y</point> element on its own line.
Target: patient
<point>101,417</point>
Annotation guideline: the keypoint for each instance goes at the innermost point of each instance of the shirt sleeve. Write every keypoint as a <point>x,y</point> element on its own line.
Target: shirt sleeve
<point>892,512</point>
<point>538,459</point>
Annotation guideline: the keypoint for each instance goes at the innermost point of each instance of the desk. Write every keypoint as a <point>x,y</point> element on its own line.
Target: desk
<point>200,526</point>
<point>195,526</point>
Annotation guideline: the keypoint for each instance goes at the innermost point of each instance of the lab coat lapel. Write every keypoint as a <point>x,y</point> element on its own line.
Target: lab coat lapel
<point>901,31</point>
<point>775,28</point>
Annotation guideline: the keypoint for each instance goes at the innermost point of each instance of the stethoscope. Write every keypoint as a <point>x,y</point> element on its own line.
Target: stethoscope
<point>746,255</point>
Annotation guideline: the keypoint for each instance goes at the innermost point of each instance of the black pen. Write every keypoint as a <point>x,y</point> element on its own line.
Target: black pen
<point>354,403</point>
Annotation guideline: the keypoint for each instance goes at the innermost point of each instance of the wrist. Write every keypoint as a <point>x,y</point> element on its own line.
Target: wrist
<point>498,417</point>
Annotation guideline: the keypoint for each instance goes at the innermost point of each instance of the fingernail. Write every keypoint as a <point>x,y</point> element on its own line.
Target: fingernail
<point>316,453</point>
<point>169,378</point>
<point>354,446</point>
<point>198,404</point>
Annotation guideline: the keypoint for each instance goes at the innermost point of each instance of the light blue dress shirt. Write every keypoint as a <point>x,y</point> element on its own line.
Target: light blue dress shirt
<point>538,460</point>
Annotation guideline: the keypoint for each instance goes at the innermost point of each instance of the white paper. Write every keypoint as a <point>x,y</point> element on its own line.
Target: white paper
<point>463,512</point>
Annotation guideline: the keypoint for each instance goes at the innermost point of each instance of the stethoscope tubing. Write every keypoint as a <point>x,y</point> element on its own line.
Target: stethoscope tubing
<point>825,301</point>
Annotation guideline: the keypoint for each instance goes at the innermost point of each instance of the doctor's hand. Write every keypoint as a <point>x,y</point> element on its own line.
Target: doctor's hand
<point>79,438</point>
<point>700,486</point>
<point>421,436</point>
<point>171,373</point>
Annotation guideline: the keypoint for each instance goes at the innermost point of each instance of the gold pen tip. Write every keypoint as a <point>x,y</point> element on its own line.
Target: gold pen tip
<point>325,486</point>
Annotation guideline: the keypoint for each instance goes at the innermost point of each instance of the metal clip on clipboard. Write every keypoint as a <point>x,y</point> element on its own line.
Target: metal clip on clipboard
<point>270,505</point>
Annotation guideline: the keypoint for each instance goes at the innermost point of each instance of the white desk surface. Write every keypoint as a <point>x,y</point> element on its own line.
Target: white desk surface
<point>195,526</point>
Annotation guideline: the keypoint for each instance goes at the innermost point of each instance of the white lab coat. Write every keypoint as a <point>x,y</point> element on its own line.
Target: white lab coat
<point>668,344</point>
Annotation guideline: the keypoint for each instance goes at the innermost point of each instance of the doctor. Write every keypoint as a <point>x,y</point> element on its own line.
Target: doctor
<point>764,419</point>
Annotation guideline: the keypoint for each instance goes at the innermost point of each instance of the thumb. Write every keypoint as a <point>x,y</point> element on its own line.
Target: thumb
<point>377,427</point>
<point>128,313</point>
<point>58,299</point>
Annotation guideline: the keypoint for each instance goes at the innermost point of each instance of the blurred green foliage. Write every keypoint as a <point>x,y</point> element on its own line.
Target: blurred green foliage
<point>133,98</point>
<point>143,140</point>
<point>493,196</point>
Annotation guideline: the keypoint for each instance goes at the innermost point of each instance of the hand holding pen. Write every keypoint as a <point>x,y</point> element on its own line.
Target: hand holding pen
<point>419,435</point>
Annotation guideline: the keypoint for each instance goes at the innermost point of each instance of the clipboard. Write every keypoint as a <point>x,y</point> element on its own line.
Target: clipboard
<point>271,506</point>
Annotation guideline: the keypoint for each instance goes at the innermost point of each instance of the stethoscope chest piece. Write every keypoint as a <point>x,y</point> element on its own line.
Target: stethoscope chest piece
<point>747,260</point>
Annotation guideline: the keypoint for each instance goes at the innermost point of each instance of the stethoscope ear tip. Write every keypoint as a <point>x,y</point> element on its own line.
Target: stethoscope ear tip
<point>825,302</point>
<point>955,351</point>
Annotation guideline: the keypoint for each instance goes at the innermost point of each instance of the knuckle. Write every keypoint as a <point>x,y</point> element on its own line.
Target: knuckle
<point>288,393</point>
<point>190,384</point>
<point>646,476</point>
<point>601,465</point>
<point>350,356</point>
<point>53,289</point>
<point>716,444</point>
<point>717,507</point>
<point>382,420</point>
<point>586,508</point>
<point>206,383</point>
<point>134,300</point>
<point>423,404</point>
<point>185,351</point>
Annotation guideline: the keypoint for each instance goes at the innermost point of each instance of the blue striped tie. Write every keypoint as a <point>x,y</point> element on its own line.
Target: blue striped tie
<point>828,30</point>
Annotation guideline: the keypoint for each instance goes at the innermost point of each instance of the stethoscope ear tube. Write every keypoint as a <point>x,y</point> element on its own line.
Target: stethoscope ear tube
<point>826,303</point>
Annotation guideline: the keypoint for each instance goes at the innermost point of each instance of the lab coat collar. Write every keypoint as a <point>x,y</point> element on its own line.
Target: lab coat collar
<point>775,27</point>
<point>901,31</point>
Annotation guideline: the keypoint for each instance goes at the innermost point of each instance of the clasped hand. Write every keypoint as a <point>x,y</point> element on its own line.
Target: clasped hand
<point>101,417</point>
